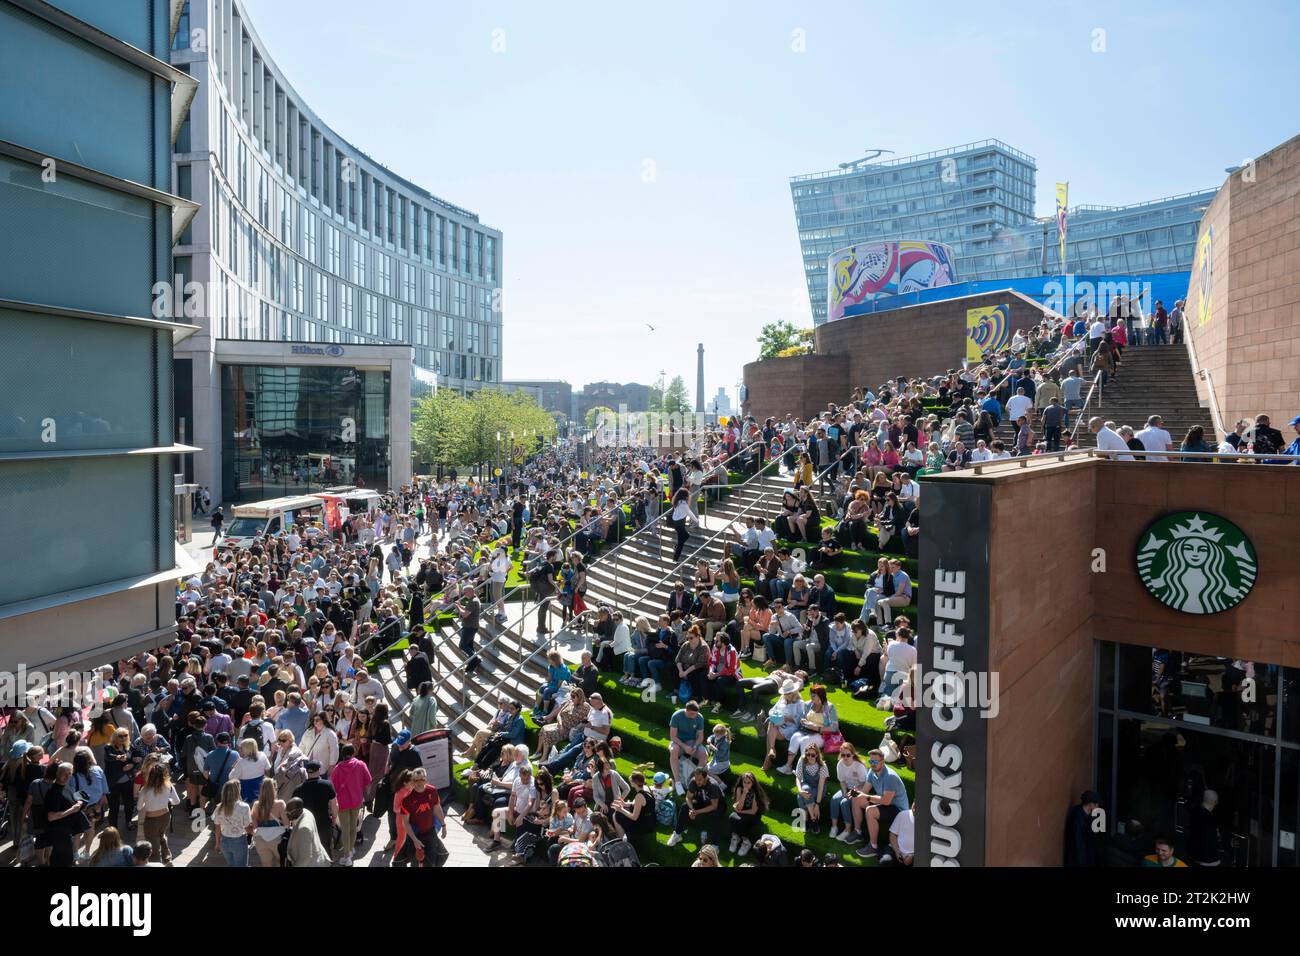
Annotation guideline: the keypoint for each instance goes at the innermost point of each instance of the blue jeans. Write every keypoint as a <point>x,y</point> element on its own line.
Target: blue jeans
<point>567,758</point>
<point>632,665</point>
<point>841,808</point>
<point>772,642</point>
<point>657,668</point>
<point>235,850</point>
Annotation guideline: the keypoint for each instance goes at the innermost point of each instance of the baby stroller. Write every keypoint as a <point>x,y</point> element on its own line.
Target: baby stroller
<point>617,852</point>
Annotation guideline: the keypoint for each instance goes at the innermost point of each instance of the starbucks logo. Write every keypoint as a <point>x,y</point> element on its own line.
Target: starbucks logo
<point>1196,563</point>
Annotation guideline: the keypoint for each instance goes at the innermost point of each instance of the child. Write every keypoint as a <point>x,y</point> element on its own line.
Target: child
<point>719,747</point>
<point>661,788</point>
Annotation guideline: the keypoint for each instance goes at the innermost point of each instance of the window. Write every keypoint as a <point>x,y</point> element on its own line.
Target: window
<point>371,326</point>
<point>384,269</point>
<point>365,202</point>
<point>295,301</point>
<point>309,234</point>
<point>346,293</point>
<point>334,242</point>
<point>396,330</point>
<point>357,261</point>
<point>421,327</point>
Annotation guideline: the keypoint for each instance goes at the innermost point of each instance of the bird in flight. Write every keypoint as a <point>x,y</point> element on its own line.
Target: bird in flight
<point>649,326</point>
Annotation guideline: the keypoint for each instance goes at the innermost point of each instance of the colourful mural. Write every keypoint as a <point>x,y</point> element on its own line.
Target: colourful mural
<point>870,270</point>
<point>1203,278</point>
<point>988,329</point>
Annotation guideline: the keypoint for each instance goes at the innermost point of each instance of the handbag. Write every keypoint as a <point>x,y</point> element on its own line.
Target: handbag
<point>684,690</point>
<point>759,652</point>
<point>832,741</point>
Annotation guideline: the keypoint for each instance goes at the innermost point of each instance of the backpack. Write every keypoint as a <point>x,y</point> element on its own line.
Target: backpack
<point>253,731</point>
<point>618,853</point>
<point>666,812</point>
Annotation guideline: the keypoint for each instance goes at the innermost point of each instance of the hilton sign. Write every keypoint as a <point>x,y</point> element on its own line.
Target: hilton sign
<point>333,351</point>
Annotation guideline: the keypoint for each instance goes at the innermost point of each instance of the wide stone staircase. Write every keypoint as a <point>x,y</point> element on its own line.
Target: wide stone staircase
<point>634,577</point>
<point>1152,380</point>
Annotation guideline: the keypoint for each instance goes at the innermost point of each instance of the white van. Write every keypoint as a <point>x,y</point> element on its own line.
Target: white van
<point>358,501</point>
<point>270,517</point>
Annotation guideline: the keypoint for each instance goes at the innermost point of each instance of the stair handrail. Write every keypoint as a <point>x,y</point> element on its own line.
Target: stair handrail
<point>505,629</point>
<point>1095,387</point>
<point>677,565</point>
<point>1216,419</point>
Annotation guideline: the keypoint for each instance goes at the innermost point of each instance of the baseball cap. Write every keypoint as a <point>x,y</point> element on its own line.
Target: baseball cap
<point>1296,420</point>
<point>661,778</point>
<point>402,738</point>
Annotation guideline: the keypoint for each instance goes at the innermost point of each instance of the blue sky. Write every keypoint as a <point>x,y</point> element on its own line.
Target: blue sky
<point>637,156</point>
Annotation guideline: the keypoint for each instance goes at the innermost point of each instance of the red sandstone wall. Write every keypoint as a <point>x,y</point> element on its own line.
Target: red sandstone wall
<point>918,340</point>
<point>802,385</point>
<point>1040,744</point>
<point>1251,344</point>
<point>1262,500</point>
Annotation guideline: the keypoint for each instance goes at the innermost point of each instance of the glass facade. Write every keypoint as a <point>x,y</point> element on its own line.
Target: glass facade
<point>290,430</point>
<point>85,384</point>
<point>979,199</point>
<point>309,239</point>
<point>1172,724</point>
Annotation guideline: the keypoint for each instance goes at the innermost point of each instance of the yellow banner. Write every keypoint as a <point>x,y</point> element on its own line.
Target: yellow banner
<point>988,329</point>
<point>1062,204</point>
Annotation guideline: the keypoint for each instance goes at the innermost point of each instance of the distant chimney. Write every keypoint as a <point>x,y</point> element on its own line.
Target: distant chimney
<point>699,378</point>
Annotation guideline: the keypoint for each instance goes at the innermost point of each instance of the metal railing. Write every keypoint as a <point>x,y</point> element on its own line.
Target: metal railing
<point>504,630</point>
<point>676,567</point>
<point>1129,454</point>
<point>1094,388</point>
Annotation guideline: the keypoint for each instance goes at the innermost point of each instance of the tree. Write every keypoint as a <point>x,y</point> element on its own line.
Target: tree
<point>454,430</point>
<point>781,338</point>
<point>676,400</point>
<point>601,413</point>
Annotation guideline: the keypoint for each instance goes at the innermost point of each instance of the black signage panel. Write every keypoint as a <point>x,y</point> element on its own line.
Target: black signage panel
<point>953,654</point>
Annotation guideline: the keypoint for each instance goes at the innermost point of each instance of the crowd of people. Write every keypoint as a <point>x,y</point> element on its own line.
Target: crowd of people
<point>261,713</point>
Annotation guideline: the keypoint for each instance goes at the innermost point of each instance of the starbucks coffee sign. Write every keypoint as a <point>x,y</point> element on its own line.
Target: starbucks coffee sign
<point>1196,562</point>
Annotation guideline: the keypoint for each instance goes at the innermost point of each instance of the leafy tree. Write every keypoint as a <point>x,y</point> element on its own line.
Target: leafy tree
<point>600,413</point>
<point>451,429</point>
<point>676,400</point>
<point>780,339</point>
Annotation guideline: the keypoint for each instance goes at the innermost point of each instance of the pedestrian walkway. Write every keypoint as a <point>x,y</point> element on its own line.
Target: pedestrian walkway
<point>190,841</point>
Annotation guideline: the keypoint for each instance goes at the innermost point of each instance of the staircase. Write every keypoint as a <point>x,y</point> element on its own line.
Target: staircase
<point>1152,380</point>
<point>619,577</point>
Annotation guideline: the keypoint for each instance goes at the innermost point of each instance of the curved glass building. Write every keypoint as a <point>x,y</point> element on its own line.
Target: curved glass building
<point>304,240</point>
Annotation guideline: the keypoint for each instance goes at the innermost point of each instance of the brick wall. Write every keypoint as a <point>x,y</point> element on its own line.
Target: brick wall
<point>1251,343</point>
<point>1041,741</point>
<point>801,385</point>
<point>866,350</point>
<point>922,339</point>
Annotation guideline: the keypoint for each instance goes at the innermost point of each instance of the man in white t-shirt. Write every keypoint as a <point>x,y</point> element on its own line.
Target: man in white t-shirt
<point>902,839</point>
<point>1155,438</point>
<point>599,719</point>
<point>1019,404</point>
<point>981,452</point>
<point>1107,438</point>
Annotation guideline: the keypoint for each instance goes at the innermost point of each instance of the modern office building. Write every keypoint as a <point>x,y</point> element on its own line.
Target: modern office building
<point>302,238</point>
<point>87,451</point>
<point>978,200</point>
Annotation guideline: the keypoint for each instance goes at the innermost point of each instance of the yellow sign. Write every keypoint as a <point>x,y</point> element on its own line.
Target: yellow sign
<point>496,472</point>
<point>1203,277</point>
<point>1062,203</point>
<point>988,329</point>
<point>722,420</point>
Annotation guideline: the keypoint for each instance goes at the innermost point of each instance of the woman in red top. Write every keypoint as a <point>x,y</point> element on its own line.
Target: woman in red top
<point>724,670</point>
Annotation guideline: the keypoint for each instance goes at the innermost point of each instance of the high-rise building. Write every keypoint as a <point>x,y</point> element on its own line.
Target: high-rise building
<point>303,238</point>
<point>721,404</point>
<point>978,199</point>
<point>87,451</point>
